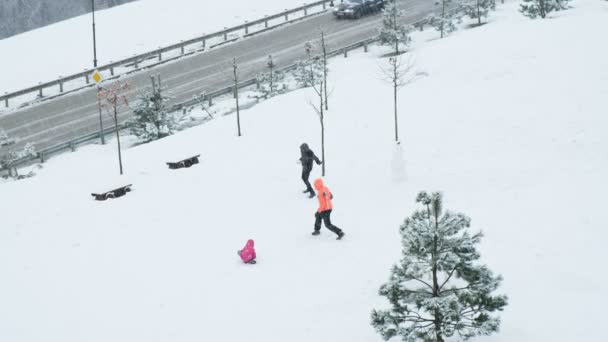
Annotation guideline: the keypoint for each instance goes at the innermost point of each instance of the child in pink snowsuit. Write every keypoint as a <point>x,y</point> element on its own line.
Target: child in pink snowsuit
<point>247,254</point>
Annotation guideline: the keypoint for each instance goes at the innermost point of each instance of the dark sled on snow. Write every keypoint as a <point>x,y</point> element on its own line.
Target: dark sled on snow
<point>118,192</point>
<point>184,163</point>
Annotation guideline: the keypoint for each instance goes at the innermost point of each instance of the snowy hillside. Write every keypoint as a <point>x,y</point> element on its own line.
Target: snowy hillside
<point>509,123</point>
<point>66,47</point>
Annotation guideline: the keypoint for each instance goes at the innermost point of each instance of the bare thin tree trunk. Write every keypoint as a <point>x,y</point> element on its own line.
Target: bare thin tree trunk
<point>478,13</point>
<point>543,14</point>
<point>395,86</point>
<point>442,16</point>
<point>322,116</point>
<point>324,67</point>
<point>117,132</point>
<point>236,96</point>
<point>101,135</point>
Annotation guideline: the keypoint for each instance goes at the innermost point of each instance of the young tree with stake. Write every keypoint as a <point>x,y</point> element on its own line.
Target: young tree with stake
<point>439,290</point>
<point>320,110</point>
<point>323,47</point>
<point>112,97</point>
<point>398,73</point>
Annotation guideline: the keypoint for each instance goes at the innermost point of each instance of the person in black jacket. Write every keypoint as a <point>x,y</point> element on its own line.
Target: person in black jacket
<point>308,156</point>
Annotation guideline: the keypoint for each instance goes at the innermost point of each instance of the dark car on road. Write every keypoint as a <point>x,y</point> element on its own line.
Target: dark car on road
<point>355,9</point>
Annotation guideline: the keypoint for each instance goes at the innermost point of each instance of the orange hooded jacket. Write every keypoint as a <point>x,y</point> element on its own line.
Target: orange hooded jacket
<point>324,196</point>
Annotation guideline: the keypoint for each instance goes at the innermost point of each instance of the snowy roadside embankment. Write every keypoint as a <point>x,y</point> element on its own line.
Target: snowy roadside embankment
<point>508,123</point>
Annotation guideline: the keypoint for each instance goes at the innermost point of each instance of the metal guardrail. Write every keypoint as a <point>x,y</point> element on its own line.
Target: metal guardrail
<point>135,60</point>
<point>43,154</point>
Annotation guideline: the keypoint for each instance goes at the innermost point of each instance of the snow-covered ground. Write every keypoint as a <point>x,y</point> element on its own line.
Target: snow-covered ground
<point>66,48</point>
<point>509,123</point>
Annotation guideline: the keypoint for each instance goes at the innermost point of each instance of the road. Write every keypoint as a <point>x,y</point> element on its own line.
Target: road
<point>67,117</point>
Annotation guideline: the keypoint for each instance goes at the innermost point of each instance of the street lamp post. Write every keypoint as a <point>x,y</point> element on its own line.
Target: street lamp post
<point>94,38</point>
<point>103,140</point>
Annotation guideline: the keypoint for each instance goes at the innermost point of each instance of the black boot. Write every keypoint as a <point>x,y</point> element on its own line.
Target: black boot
<point>316,232</point>
<point>340,236</point>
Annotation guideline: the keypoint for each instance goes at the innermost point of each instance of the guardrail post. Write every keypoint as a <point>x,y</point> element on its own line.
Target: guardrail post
<point>60,85</point>
<point>40,91</point>
<point>210,101</point>
<point>286,15</point>
<point>365,47</point>
<point>72,147</point>
<point>181,48</point>
<point>323,4</point>
<point>203,44</point>
<point>265,21</point>
<point>225,34</point>
<point>246,27</point>
<point>345,53</point>
<point>136,62</point>
<point>160,55</point>
<point>305,10</point>
<point>6,100</point>
<point>111,70</point>
<point>41,156</point>
<point>86,77</point>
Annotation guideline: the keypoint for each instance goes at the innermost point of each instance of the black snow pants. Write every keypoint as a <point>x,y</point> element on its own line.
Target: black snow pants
<point>324,215</point>
<point>305,176</point>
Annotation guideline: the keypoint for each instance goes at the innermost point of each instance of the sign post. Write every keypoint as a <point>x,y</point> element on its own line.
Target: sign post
<point>98,78</point>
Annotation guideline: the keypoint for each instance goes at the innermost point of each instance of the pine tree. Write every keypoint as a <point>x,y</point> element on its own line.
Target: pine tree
<point>393,33</point>
<point>478,9</point>
<point>445,18</point>
<point>439,289</point>
<point>11,155</point>
<point>4,139</point>
<point>152,119</point>
<point>540,8</point>
<point>310,70</point>
<point>270,83</point>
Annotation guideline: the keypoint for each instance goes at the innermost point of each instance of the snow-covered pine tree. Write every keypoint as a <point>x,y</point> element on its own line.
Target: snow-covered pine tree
<point>4,139</point>
<point>445,17</point>
<point>310,70</point>
<point>540,8</point>
<point>393,33</point>
<point>439,290</point>
<point>478,9</point>
<point>152,119</point>
<point>270,83</point>
<point>11,155</point>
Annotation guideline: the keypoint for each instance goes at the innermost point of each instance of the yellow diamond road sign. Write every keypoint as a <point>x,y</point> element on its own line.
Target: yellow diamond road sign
<point>97,76</point>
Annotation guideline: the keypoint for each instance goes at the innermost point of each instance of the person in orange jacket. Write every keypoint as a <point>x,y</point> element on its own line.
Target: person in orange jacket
<point>325,207</point>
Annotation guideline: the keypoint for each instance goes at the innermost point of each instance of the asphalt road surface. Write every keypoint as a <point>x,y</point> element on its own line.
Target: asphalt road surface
<point>67,117</point>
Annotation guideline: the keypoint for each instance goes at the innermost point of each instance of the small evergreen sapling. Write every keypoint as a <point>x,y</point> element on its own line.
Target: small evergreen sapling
<point>445,17</point>
<point>478,9</point>
<point>270,83</point>
<point>151,117</point>
<point>310,70</point>
<point>9,155</point>
<point>393,33</point>
<point>439,290</point>
<point>540,8</point>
